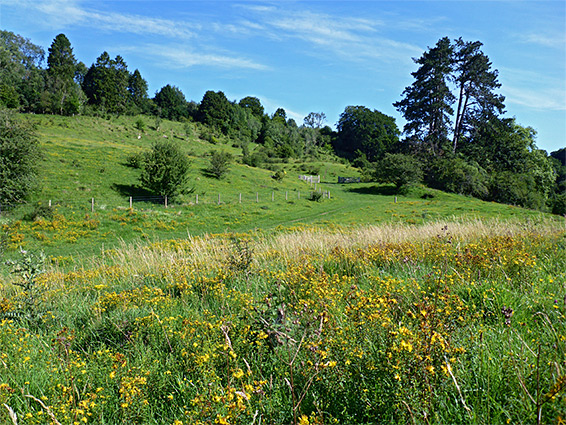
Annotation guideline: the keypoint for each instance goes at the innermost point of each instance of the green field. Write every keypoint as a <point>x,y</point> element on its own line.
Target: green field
<point>86,159</point>
<point>367,307</point>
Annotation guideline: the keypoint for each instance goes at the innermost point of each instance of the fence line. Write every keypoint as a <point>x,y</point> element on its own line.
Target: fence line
<point>94,204</point>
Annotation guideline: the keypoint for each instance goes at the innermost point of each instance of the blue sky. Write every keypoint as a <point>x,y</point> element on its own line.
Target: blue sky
<point>318,56</point>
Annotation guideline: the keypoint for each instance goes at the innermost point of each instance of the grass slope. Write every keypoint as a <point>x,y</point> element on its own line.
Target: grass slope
<point>87,157</point>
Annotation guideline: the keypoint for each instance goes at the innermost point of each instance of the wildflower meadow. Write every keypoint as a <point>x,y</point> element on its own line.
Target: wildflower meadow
<point>442,323</point>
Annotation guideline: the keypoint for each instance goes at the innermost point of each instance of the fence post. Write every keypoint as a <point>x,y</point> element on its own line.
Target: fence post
<point>165,201</point>
<point>257,196</point>
<point>299,194</point>
<point>395,199</point>
<point>240,198</point>
<point>328,194</point>
<point>91,204</point>
<point>50,203</point>
<point>272,196</point>
<point>286,196</point>
<point>130,202</point>
<point>219,199</point>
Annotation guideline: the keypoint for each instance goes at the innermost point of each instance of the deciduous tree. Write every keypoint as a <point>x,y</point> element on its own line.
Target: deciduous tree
<point>370,132</point>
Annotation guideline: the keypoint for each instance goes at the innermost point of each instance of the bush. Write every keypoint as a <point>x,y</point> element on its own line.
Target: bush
<point>279,175</point>
<point>165,169</point>
<point>458,176</point>
<point>40,211</point>
<point>19,154</point>
<point>140,125</point>
<point>135,160</point>
<point>219,163</point>
<point>316,196</point>
<point>399,169</point>
<point>515,189</point>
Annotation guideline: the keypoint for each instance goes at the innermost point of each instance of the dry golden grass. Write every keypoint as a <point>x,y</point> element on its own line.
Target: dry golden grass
<point>140,257</point>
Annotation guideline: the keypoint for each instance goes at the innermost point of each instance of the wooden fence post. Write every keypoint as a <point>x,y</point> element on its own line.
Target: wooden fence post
<point>91,204</point>
<point>240,198</point>
<point>50,203</point>
<point>130,202</point>
<point>196,198</point>
<point>272,196</point>
<point>257,196</point>
<point>219,199</point>
<point>165,201</point>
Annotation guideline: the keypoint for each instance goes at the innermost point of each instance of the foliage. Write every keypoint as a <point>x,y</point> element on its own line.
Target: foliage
<point>165,169</point>
<point>427,103</point>
<point>315,196</point>
<point>28,302</point>
<point>254,104</point>
<point>21,78</point>
<point>171,103</point>
<point>19,155</point>
<point>106,84</point>
<point>215,110</point>
<point>370,132</point>
<point>219,163</point>
<point>314,119</point>
<point>66,96</point>
<point>399,169</point>
<point>458,176</point>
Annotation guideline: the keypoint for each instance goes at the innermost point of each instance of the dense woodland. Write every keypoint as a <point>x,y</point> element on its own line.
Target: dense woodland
<point>457,137</point>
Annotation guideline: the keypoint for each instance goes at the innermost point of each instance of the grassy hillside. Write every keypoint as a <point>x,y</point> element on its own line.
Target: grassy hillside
<point>87,158</point>
<point>365,307</point>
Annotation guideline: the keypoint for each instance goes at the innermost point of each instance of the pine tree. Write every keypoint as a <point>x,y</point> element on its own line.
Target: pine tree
<point>427,103</point>
<point>61,66</point>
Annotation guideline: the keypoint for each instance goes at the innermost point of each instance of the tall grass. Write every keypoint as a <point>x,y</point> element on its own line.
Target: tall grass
<point>448,322</point>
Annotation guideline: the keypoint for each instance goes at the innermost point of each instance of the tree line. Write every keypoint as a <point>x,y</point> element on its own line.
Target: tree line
<point>457,137</point>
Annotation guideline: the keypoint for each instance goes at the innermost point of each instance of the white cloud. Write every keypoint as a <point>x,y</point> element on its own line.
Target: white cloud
<point>349,38</point>
<point>66,13</point>
<point>185,57</point>
<point>542,98</point>
<point>532,89</point>
<point>546,40</point>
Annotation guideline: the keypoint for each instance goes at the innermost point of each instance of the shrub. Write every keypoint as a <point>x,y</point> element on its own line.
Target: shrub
<point>135,160</point>
<point>458,176</point>
<point>40,211</point>
<point>219,163</point>
<point>515,189</point>
<point>399,169</point>
<point>316,196</point>
<point>19,154</point>
<point>165,169</point>
<point>140,125</point>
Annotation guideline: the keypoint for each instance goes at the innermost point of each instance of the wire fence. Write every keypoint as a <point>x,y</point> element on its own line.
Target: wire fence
<point>98,204</point>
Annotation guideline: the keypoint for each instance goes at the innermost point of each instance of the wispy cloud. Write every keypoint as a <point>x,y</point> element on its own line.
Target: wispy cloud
<point>185,57</point>
<point>68,13</point>
<point>533,90</point>
<point>541,99</point>
<point>350,38</point>
<point>555,41</point>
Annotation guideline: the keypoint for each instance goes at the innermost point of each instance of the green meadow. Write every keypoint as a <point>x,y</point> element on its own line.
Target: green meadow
<point>87,177</point>
<point>364,307</point>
